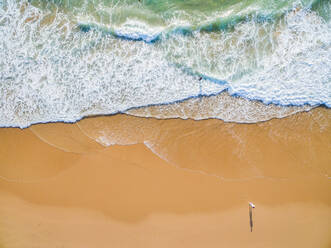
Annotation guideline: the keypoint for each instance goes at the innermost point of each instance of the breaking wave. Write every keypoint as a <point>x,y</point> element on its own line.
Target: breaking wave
<point>167,59</point>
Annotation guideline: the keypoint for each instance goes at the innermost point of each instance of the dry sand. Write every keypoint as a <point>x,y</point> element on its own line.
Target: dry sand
<point>124,181</point>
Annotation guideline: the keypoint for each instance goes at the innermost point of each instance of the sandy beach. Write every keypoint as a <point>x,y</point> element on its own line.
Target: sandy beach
<point>125,181</point>
<point>161,124</point>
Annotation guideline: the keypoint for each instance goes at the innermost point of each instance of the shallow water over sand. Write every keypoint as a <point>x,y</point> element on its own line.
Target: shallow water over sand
<point>126,181</point>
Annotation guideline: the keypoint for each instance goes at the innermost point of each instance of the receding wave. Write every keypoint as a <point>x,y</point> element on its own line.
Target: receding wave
<point>61,62</point>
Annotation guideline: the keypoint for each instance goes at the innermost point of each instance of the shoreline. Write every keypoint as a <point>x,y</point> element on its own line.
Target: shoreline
<point>178,183</point>
<point>236,99</point>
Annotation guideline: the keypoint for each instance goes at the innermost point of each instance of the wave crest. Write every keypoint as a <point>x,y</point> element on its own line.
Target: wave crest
<point>50,71</point>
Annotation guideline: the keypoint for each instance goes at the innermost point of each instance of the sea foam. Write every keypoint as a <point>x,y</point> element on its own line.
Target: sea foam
<point>52,71</point>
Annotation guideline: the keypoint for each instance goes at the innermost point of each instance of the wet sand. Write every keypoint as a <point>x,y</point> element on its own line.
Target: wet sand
<point>124,181</point>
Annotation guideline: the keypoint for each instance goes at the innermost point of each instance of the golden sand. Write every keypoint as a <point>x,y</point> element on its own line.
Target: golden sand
<point>124,181</point>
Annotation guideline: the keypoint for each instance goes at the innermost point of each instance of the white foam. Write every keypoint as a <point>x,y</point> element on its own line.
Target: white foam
<point>49,74</point>
<point>50,71</point>
<point>221,106</point>
<point>286,62</point>
<point>136,30</point>
<point>299,69</point>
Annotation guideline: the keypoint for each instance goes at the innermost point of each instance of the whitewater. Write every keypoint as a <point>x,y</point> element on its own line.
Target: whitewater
<point>241,61</point>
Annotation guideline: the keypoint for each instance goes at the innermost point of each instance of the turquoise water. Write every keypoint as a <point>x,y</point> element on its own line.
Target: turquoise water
<point>148,20</point>
<point>62,60</point>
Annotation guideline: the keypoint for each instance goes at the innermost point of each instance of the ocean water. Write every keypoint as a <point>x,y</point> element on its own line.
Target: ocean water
<point>241,61</point>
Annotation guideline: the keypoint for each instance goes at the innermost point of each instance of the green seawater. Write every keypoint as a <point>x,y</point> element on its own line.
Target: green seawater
<point>185,16</point>
<point>61,60</point>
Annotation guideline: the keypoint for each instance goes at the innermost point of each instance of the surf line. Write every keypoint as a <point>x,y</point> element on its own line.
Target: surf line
<point>251,206</point>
